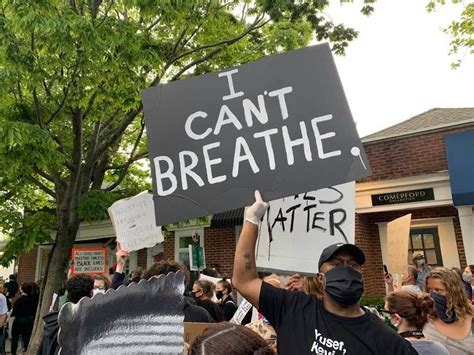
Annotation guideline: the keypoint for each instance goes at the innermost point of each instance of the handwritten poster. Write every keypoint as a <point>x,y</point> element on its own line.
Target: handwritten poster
<point>134,222</point>
<point>296,229</point>
<point>89,260</point>
<point>281,125</point>
<point>398,232</point>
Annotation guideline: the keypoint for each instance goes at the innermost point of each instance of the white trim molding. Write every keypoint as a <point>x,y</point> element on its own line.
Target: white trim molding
<point>466,219</point>
<point>439,182</point>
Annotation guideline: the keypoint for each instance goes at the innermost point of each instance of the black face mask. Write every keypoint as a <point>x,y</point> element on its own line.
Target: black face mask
<point>441,308</point>
<point>219,294</point>
<point>344,285</point>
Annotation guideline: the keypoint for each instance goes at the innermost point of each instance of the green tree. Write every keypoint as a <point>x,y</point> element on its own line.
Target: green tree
<point>72,133</point>
<point>461,30</point>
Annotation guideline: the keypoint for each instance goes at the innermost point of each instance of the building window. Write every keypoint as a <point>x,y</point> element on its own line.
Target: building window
<point>426,241</point>
<point>184,238</point>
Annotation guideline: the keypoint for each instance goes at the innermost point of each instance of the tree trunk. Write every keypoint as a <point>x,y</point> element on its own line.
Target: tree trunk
<point>55,274</point>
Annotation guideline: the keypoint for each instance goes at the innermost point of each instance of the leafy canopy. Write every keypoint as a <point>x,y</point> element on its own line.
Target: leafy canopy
<point>71,72</point>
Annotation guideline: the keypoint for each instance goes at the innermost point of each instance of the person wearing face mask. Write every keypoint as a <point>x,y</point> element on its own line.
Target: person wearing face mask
<point>451,324</point>
<point>465,281</point>
<point>305,324</point>
<point>203,291</point>
<point>419,262</point>
<point>101,284</point>
<point>468,277</point>
<point>409,313</point>
<point>224,298</point>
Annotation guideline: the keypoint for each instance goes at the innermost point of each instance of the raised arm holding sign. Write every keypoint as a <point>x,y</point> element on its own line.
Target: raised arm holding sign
<point>304,324</point>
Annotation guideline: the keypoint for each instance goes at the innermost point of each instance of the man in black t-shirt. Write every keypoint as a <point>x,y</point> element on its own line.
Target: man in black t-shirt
<point>305,325</point>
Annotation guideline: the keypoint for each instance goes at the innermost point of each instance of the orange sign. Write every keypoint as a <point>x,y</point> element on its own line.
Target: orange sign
<point>89,261</point>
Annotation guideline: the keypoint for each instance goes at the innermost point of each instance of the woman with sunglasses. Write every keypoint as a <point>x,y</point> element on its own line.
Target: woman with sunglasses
<point>409,313</point>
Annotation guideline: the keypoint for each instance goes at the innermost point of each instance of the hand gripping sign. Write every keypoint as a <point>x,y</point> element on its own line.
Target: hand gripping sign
<point>281,125</point>
<point>142,318</point>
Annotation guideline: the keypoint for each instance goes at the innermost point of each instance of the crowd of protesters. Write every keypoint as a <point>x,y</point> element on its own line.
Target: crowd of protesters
<point>430,312</point>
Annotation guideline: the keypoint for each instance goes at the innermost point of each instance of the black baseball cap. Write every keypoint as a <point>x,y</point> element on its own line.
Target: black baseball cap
<point>354,250</point>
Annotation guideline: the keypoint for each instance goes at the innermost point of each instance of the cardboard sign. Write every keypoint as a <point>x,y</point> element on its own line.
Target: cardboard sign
<point>145,317</point>
<point>281,125</point>
<point>296,229</point>
<point>192,330</point>
<point>239,315</point>
<point>134,222</point>
<point>89,261</point>
<point>398,233</point>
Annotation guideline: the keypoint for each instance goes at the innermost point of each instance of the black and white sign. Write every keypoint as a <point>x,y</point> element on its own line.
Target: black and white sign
<point>281,125</point>
<point>134,222</point>
<point>391,198</point>
<point>296,229</point>
<point>142,318</point>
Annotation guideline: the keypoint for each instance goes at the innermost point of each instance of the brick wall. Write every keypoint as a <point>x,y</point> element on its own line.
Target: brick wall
<point>409,156</point>
<point>368,240</point>
<point>220,249</point>
<point>27,266</point>
<point>168,246</point>
<point>142,258</point>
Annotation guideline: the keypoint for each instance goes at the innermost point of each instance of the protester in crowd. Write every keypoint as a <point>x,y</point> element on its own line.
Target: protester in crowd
<point>409,313</point>
<point>101,284</point>
<point>11,286</point>
<point>24,311</point>
<point>422,268</point>
<point>77,287</point>
<point>192,312</point>
<point>451,324</point>
<point>203,291</point>
<point>136,275</point>
<point>467,276</point>
<point>409,281</point>
<point>304,324</point>
<point>211,271</point>
<point>466,284</point>
<point>227,338</point>
<point>3,318</point>
<point>225,299</point>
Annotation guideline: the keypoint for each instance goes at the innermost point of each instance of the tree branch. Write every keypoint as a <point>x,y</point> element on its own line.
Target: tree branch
<point>124,171</point>
<point>41,186</point>
<point>91,101</point>
<point>225,42</point>
<point>113,136</point>
<point>43,175</point>
<point>37,109</point>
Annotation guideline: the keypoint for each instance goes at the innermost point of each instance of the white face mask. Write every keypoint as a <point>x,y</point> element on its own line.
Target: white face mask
<point>95,291</point>
<point>420,262</point>
<point>466,277</point>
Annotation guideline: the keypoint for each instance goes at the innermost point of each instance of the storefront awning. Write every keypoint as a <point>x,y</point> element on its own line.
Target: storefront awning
<point>460,154</point>
<point>228,219</point>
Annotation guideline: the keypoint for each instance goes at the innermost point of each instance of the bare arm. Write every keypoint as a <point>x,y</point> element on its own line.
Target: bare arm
<point>3,320</point>
<point>245,277</point>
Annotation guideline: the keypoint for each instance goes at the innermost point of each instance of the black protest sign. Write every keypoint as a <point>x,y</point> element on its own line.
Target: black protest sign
<point>145,317</point>
<point>281,125</point>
